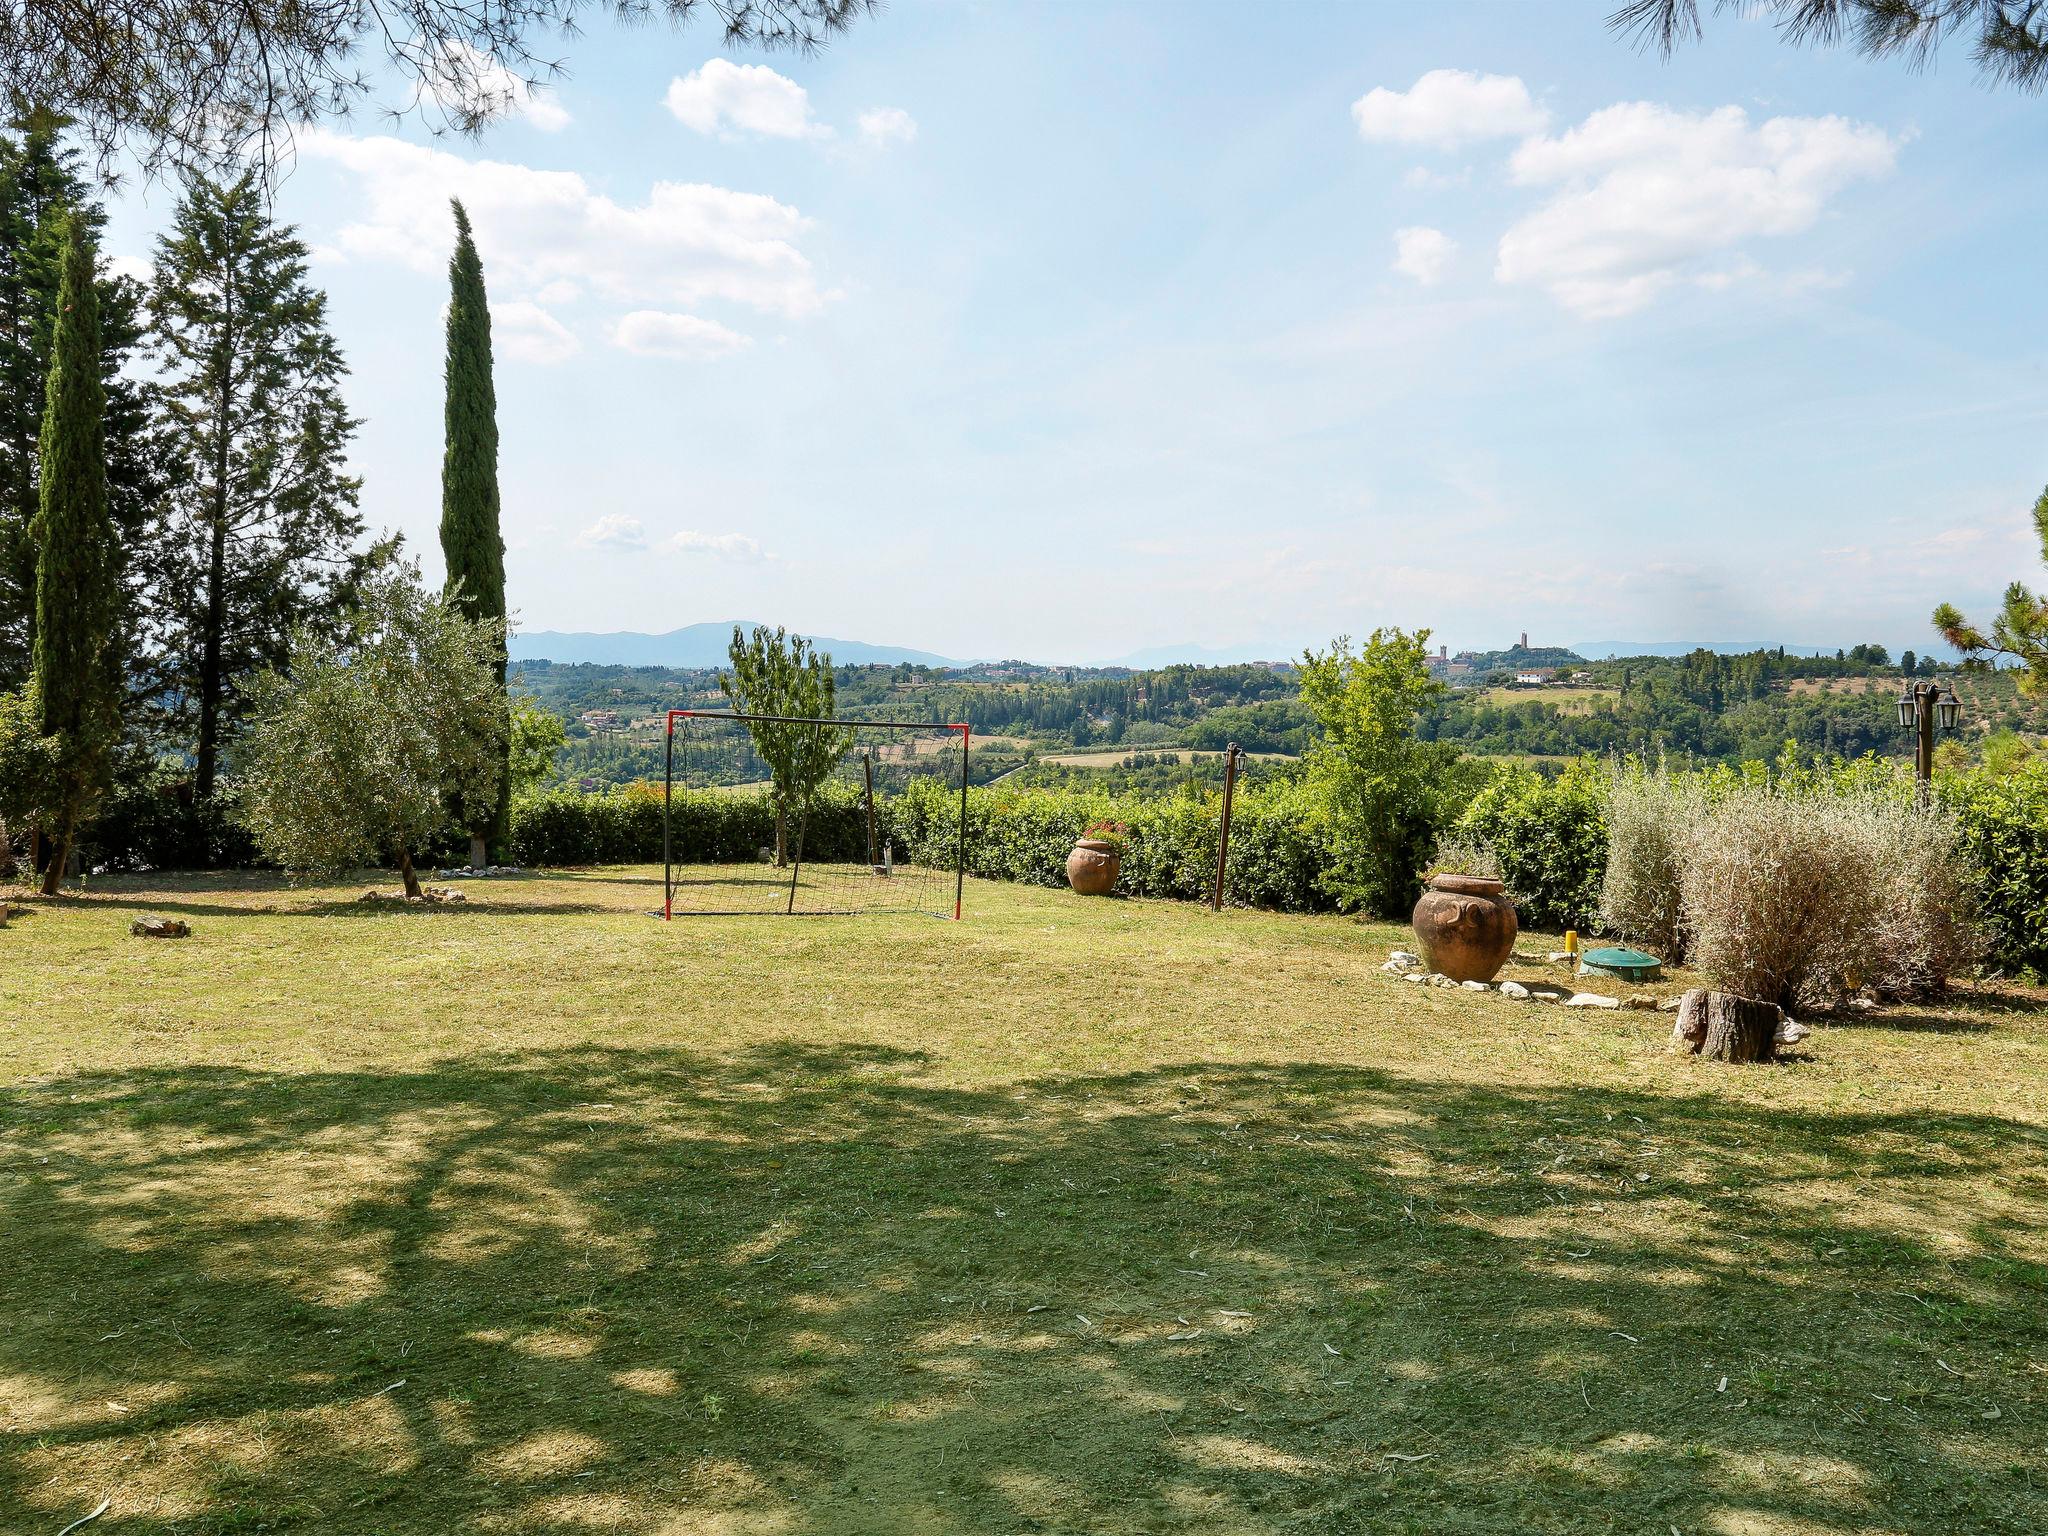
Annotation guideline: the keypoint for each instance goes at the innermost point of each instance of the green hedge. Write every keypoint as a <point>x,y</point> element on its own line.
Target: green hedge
<point>708,827</point>
<point>1550,835</point>
<point>1551,838</point>
<point>2005,834</point>
<point>1279,841</point>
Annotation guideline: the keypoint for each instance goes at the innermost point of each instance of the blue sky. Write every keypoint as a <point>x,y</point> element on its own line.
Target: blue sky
<point>1062,331</point>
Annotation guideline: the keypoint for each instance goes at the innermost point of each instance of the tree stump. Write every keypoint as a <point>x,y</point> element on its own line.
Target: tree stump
<point>1723,1027</point>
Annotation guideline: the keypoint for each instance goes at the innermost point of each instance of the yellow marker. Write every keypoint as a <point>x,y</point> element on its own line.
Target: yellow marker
<point>1571,942</point>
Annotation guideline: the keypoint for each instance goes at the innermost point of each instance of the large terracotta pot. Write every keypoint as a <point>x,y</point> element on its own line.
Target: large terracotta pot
<point>1465,926</point>
<point>1093,866</point>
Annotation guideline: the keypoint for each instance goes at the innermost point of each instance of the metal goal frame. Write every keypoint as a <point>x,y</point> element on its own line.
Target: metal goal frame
<point>668,784</point>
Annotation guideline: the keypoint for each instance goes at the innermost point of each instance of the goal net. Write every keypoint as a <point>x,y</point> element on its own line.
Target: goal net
<point>730,849</point>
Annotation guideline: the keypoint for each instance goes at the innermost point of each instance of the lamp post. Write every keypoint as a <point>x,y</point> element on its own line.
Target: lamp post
<point>1919,705</point>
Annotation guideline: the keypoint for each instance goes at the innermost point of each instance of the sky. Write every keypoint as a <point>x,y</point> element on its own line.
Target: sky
<point>1063,331</point>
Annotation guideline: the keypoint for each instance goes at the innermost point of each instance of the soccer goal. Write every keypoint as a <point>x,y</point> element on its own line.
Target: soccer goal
<point>724,851</point>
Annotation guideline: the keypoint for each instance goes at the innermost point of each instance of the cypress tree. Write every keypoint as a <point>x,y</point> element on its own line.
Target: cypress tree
<point>40,187</point>
<point>470,539</point>
<point>77,674</point>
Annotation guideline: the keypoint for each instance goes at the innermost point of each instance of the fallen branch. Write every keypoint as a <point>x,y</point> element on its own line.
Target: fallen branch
<point>105,1505</point>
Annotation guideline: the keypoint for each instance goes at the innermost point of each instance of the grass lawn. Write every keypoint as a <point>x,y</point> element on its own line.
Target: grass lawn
<point>537,1216</point>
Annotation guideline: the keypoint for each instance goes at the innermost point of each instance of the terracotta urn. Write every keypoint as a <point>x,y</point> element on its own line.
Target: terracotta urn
<point>1465,926</point>
<point>1093,866</point>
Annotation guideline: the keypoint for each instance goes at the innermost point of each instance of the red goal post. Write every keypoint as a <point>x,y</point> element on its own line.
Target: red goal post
<point>668,782</point>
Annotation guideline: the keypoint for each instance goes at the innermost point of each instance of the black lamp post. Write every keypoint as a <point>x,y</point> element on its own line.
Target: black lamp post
<point>1919,706</point>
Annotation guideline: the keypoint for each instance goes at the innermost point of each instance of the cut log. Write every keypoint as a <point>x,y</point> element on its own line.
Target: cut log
<point>1723,1027</point>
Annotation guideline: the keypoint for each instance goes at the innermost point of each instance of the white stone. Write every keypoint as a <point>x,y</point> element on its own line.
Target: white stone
<point>1476,986</point>
<point>1670,1004</point>
<point>1791,1032</point>
<point>1591,1000</point>
<point>1515,990</point>
<point>1403,960</point>
<point>1415,976</point>
<point>1558,956</point>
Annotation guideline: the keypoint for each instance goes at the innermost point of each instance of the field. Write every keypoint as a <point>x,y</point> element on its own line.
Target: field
<point>533,1215</point>
<point>1567,701</point>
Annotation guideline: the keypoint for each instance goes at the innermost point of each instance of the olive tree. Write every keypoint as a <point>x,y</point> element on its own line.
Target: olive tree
<point>357,749</point>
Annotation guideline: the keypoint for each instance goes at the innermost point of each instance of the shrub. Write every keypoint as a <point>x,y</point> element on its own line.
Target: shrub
<point>154,822</point>
<point>1387,793</point>
<point>1549,838</point>
<point>623,826</point>
<point>1799,895</point>
<point>2002,828</point>
<point>1459,852</point>
<point>1652,815</point>
<point>1280,840</point>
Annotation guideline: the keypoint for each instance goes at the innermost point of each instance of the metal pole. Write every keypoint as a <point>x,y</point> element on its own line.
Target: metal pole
<point>867,764</point>
<point>668,789</point>
<point>796,864</point>
<point>1223,841</point>
<point>960,844</point>
<point>1923,756</point>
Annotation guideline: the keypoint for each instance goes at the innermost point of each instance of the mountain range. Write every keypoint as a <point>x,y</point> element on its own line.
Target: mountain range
<point>694,645</point>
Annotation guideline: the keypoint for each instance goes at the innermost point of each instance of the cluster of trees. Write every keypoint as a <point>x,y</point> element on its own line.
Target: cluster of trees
<point>178,529</point>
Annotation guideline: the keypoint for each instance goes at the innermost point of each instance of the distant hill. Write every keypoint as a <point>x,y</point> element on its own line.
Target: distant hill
<point>694,645</point>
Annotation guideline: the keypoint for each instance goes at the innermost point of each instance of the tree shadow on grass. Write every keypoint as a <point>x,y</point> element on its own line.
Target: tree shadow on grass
<point>807,1290</point>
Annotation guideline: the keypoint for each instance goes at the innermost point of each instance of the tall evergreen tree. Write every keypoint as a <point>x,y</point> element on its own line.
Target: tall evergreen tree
<point>471,542</point>
<point>40,185</point>
<point>77,667</point>
<point>265,537</point>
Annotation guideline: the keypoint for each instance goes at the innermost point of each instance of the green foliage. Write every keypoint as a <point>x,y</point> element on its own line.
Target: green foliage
<point>265,527</point>
<point>76,663</point>
<point>153,821</point>
<point>537,736</point>
<point>777,673</point>
<point>623,826</point>
<point>41,190</point>
<point>2003,831</point>
<point>1386,791</point>
<point>28,764</point>
<point>1281,840</point>
<point>471,542</point>
<point>1550,838</point>
<point>355,750</point>
<point>2021,628</point>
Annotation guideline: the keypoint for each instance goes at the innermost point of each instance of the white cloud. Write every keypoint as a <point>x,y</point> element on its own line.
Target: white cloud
<point>685,244</point>
<point>736,547</point>
<point>1447,108</point>
<point>1647,198</point>
<point>466,79</point>
<point>529,334</point>
<point>733,99</point>
<point>652,333</point>
<point>140,269</point>
<point>1423,253</point>
<point>615,530</point>
<point>887,125</point>
<point>1421,178</point>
